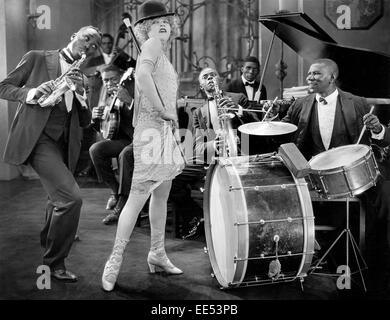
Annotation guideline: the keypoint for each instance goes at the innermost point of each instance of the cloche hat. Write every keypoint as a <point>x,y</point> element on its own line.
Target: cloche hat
<point>152,9</point>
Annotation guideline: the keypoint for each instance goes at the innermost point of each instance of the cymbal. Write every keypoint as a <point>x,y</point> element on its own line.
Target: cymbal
<point>267,128</point>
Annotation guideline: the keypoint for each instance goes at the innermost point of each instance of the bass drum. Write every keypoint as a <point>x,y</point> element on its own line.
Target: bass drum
<point>259,222</point>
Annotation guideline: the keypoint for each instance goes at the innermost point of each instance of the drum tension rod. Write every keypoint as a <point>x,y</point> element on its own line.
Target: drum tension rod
<point>262,221</point>
<point>273,186</point>
<point>262,256</point>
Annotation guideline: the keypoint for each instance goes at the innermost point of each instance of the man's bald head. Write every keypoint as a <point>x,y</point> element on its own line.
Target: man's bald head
<point>330,65</point>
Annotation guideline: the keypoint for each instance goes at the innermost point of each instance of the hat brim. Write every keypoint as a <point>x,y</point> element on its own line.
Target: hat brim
<point>154,16</point>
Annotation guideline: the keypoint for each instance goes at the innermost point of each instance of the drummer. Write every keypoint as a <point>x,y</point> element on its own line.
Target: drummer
<point>329,117</point>
<point>205,122</point>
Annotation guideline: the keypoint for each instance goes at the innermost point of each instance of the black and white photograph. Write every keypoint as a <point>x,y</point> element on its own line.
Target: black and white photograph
<point>195,156</point>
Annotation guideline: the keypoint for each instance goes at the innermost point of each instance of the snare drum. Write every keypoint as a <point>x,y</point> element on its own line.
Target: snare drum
<point>344,171</point>
<point>259,222</point>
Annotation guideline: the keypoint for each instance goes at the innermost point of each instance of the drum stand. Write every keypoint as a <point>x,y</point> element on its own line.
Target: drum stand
<point>349,239</point>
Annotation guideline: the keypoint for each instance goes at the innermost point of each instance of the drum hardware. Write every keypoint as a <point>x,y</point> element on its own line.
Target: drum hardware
<point>323,184</point>
<point>258,282</point>
<point>234,251</point>
<point>350,240</point>
<point>258,188</point>
<point>294,160</point>
<point>275,267</point>
<point>267,128</point>
<point>262,221</point>
<point>263,257</point>
<point>344,171</point>
<point>205,250</point>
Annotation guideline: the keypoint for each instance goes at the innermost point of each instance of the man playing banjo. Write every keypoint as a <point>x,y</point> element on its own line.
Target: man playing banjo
<point>114,119</point>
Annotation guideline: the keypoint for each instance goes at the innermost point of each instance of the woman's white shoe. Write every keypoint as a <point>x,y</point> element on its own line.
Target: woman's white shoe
<point>113,265</point>
<point>160,259</point>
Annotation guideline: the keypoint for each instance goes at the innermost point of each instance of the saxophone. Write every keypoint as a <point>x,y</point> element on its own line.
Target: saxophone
<point>61,85</point>
<point>225,131</point>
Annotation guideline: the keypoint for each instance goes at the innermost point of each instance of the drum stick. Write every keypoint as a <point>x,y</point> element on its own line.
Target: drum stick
<point>272,105</point>
<point>364,127</point>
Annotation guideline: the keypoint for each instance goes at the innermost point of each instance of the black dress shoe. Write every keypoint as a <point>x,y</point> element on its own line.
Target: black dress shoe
<point>64,275</point>
<point>111,218</point>
<point>112,201</point>
<point>195,228</point>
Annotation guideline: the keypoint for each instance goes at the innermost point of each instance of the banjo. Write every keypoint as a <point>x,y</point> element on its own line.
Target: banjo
<point>109,124</point>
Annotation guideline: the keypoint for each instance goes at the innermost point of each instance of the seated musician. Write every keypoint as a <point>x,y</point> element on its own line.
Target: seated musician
<point>248,84</point>
<point>205,121</point>
<point>119,146</point>
<point>110,52</point>
<point>329,117</point>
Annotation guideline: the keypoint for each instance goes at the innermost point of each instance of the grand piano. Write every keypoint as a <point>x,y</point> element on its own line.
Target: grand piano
<point>362,72</point>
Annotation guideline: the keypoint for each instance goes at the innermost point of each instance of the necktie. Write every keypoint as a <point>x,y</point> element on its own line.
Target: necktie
<point>249,84</point>
<point>322,100</point>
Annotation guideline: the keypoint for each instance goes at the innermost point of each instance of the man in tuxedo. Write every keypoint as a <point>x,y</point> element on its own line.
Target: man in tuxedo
<point>48,138</point>
<point>248,83</point>
<point>111,54</point>
<point>206,127</point>
<point>119,145</point>
<point>329,117</point>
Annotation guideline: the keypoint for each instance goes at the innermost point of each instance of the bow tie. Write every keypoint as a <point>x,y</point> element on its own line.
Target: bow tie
<point>249,84</point>
<point>210,98</point>
<point>322,100</point>
<point>67,59</point>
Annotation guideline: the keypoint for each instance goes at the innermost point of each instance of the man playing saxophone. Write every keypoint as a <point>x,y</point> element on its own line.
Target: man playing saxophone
<point>46,133</point>
<point>221,110</point>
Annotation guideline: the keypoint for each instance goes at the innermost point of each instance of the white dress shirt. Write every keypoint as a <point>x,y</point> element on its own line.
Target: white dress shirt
<point>326,114</point>
<point>107,57</point>
<point>249,89</point>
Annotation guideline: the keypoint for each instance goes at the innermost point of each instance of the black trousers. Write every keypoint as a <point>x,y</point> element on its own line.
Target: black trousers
<point>102,153</point>
<point>64,200</point>
<point>378,200</point>
<point>180,192</point>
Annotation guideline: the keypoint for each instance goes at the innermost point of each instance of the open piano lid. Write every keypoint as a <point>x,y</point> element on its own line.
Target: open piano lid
<point>362,72</point>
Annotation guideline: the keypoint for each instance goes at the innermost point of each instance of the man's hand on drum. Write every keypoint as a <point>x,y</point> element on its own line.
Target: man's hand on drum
<point>372,123</point>
<point>272,114</point>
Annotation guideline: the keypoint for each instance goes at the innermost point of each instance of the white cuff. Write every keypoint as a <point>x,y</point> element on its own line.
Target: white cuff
<point>380,135</point>
<point>30,96</point>
<point>240,112</point>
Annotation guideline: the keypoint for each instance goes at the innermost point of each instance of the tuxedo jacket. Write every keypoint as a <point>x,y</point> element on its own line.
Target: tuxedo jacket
<point>35,68</point>
<point>203,127</point>
<point>353,108</point>
<point>238,87</point>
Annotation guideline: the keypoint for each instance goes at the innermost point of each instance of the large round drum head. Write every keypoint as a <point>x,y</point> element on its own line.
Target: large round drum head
<point>267,128</point>
<point>338,157</point>
<point>226,207</point>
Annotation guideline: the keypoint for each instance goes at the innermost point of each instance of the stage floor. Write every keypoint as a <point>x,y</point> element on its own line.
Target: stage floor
<point>21,219</point>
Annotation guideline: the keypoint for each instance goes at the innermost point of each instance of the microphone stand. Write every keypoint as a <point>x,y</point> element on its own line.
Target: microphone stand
<point>127,23</point>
